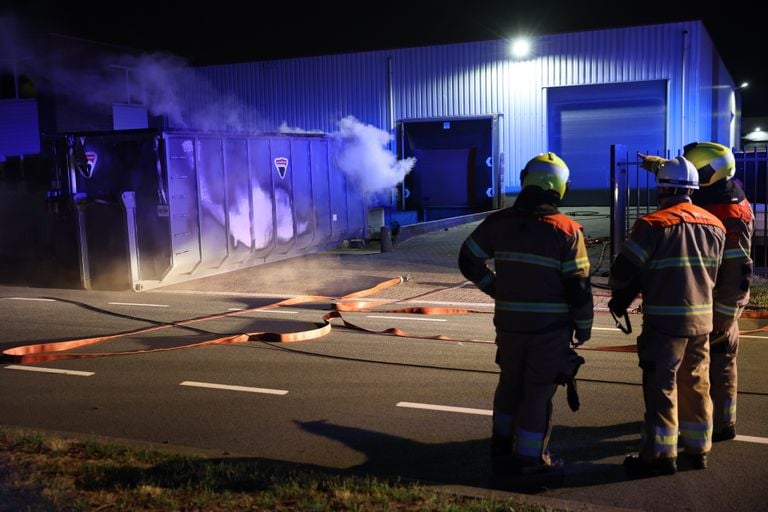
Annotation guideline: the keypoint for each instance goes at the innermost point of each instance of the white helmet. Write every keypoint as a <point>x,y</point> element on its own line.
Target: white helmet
<point>677,173</point>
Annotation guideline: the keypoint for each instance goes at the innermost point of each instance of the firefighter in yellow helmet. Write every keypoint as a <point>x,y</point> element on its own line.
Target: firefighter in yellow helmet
<point>543,298</point>
<point>673,257</point>
<point>724,197</point>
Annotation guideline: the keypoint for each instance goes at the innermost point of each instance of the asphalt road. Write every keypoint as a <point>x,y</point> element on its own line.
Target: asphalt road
<point>379,404</point>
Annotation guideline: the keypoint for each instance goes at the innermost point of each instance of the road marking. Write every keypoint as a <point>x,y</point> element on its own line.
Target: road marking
<point>31,298</point>
<point>138,304</point>
<point>752,439</point>
<point>445,408</point>
<point>486,412</point>
<point>408,318</point>
<point>281,312</point>
<point>48,370</point>
<point>234,388</point>
<point>615,329</point>
<point>465,305</point>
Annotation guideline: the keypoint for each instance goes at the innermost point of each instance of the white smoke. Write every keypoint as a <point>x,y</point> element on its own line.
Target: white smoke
<point>159,75</point>
<point>284,128</point>
<point>362,155</point>
<point>94,74</point>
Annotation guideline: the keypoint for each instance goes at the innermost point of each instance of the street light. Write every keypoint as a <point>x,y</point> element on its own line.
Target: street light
<point>520,48</point>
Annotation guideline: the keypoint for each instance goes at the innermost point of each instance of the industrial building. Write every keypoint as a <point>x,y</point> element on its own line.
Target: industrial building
<point>471,115</point>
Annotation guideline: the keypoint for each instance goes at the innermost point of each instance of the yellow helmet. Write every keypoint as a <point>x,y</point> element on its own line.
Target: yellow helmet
<point>713,161</point>
<point>548,172</point>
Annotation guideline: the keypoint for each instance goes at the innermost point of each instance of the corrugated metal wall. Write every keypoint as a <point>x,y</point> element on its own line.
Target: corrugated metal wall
<point>478,79</point>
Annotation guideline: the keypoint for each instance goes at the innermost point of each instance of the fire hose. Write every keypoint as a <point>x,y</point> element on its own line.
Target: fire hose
<point>58,350</point>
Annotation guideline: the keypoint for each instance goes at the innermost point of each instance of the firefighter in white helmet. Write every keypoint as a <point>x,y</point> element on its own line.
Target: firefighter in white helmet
<point>673,257</point>
<point>543,298</point>
<point>724,197</point>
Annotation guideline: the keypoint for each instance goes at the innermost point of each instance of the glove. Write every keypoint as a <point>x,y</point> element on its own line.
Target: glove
<point>616,308</point>
<point>651,163</point>
<point>572,395</point>
<point>582,335</point>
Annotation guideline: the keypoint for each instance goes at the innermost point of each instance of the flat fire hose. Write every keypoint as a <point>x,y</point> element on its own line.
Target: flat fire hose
<point>40,352</point>
<point>56,350</point>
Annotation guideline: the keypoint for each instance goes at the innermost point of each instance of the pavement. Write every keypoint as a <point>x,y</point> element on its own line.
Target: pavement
<point>425,256</point>
<point>427,261</point>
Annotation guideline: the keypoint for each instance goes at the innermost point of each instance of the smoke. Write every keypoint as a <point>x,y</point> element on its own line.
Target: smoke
<point>284,128</point>
<point>94,74</point>
<point>361,154</point>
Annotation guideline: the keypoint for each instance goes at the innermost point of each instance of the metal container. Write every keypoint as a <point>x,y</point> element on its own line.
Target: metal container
<point>154,208</point>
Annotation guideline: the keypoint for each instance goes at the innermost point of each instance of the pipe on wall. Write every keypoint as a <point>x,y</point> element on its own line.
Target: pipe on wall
<point>682,89</point>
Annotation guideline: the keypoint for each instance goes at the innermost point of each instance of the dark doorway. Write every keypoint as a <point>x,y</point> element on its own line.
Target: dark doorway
<point>456,167</point>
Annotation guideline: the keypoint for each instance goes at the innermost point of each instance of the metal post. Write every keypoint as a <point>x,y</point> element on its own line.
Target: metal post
<point>386,239</point>
<point>618,198</point>
<point>129,203</point>
<point>82,239</point>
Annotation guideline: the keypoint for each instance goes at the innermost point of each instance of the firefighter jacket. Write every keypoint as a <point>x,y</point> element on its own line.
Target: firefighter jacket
<point>674,254</point>
<point>726,201</point>
<point>541,278</point>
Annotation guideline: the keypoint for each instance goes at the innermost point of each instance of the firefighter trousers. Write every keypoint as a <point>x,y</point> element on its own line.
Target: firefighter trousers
<point>530,364</point>
<point>676,394</point>
<point>723,377</point>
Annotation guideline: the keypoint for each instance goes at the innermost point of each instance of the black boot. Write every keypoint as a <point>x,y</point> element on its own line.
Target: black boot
<point>503,461</point>
<point>637,467</point>
<point>724,434</point>
<point>695,460</point>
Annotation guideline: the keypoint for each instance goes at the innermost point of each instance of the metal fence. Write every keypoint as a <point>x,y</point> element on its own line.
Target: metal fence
<point>633,194</point>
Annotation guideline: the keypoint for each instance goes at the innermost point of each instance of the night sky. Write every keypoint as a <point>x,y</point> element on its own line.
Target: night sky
<point>225,32</point>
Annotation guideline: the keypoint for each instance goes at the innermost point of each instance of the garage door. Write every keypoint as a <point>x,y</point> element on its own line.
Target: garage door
<point>583,122</point>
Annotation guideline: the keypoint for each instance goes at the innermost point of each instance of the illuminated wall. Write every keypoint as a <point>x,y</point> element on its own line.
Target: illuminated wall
<point>472,79</point>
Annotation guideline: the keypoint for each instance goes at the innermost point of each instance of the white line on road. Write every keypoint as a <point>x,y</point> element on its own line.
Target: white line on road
<point>752,439</point>
<point>281,312</point>
<point>741,336</point>
<point>445,408</point>
<point>31,298</point>
<point>408,318</point>
<point>487,412</point>
<point>234,388</point>
<point>464,305</point>
<point>138,304</point>
<point>48,370</point>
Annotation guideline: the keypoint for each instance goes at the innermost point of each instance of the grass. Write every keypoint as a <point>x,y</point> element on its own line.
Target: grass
<point>43,472</point>
<point>758,292</point>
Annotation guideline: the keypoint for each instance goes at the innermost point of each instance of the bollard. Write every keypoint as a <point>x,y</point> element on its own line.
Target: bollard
<point>386,239</point>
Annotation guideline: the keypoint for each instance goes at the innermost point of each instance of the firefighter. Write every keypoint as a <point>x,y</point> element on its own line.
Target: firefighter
<point>543,298</point>
<point>673,257</point>
<point>724,197</point>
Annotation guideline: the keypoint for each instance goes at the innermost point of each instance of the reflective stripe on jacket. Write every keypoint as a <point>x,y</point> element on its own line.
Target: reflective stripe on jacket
<point>678,250</point>
<point>732,289</point>
<point>534,257</point>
